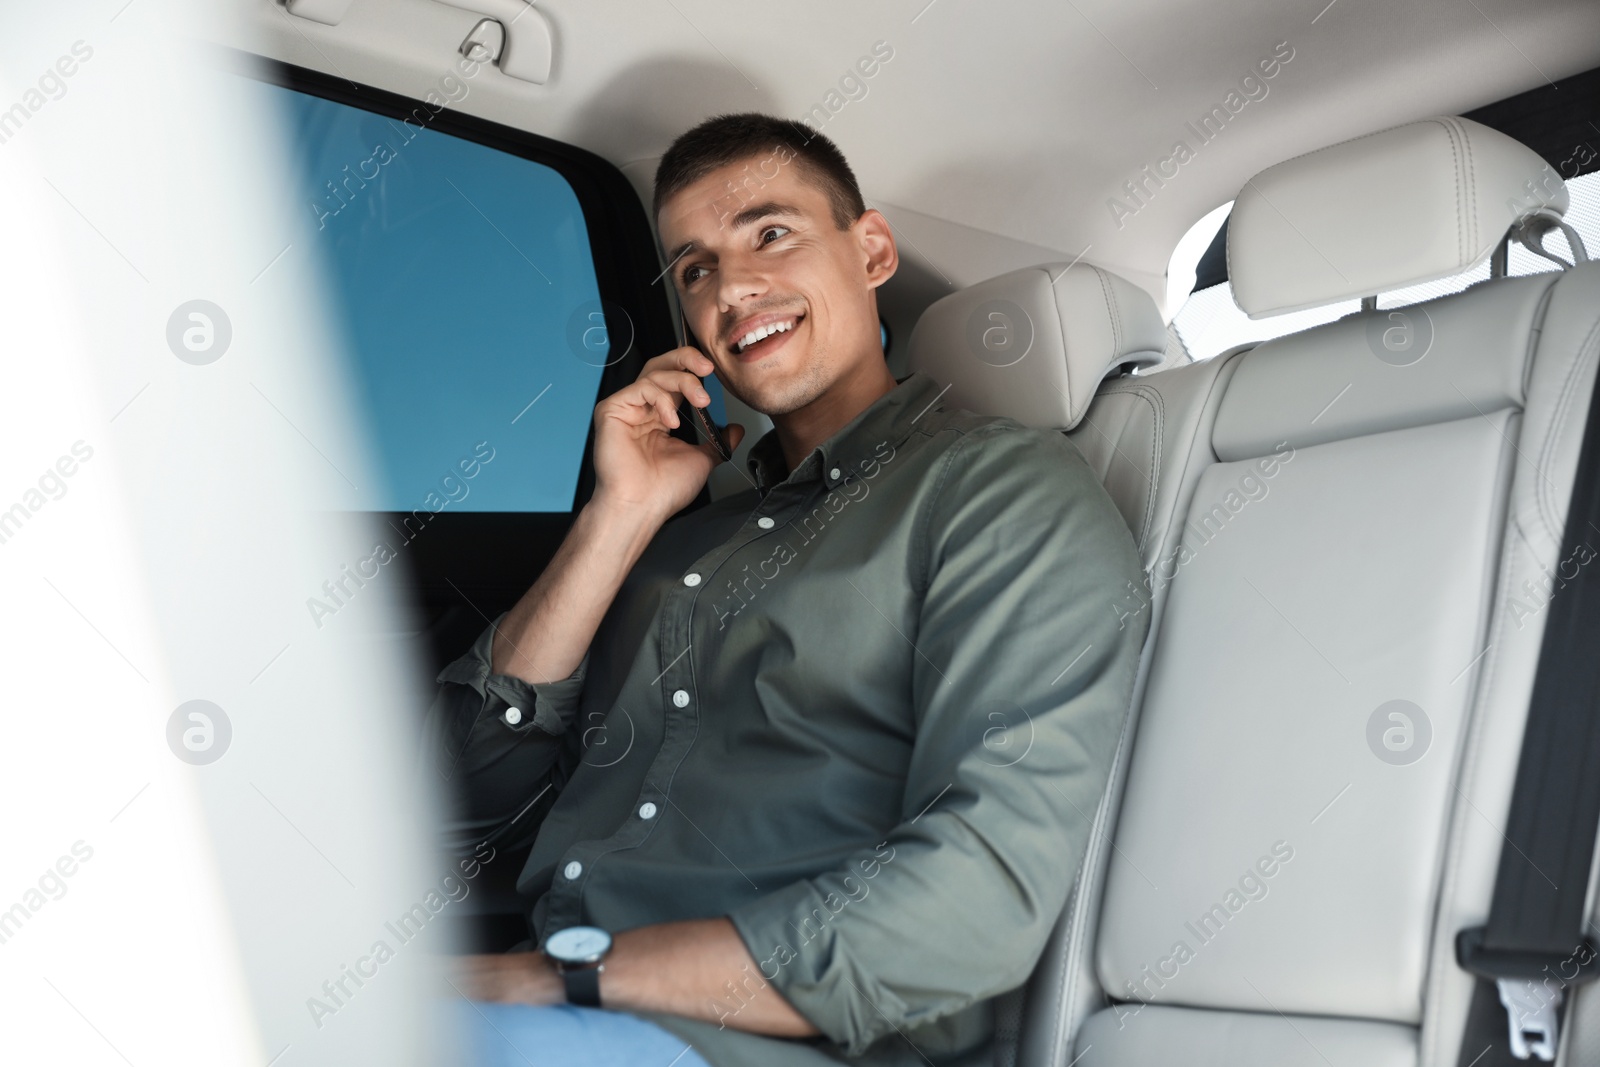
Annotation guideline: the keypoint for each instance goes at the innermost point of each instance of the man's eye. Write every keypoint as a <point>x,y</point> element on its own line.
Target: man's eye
<point>778,230</point>
<point>692,274</point>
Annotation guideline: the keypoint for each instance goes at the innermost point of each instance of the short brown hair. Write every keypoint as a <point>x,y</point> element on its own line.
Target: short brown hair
<point>726,139</point>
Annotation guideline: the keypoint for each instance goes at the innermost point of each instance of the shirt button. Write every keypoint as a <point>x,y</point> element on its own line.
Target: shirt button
<point>572,870</point>
<point>681,698</point>
<point>513,716</point>
<point>834,474</point>
<point>765,522</point>
<point>647,810</point>
<point>691,580</point>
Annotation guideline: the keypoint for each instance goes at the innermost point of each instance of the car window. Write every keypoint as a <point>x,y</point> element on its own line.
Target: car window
<point>1210,323</point>
<point>466,291</point>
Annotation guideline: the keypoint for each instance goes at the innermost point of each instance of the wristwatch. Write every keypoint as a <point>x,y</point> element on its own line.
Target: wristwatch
<point>577,952</point>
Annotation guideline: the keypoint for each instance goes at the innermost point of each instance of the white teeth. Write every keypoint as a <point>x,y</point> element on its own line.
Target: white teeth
<point>762,332</point>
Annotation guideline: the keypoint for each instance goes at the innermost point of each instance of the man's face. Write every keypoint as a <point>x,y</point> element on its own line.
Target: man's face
<point>754,247</point>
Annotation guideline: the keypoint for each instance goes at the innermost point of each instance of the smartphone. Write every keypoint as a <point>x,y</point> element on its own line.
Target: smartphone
<point>690,415</point>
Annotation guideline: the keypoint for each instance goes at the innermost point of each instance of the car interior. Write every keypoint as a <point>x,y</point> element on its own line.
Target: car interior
<point>1308,286</point>
<point>1404,511</point>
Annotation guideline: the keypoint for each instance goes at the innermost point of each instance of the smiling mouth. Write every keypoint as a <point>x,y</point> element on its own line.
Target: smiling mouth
<point>756,341</point>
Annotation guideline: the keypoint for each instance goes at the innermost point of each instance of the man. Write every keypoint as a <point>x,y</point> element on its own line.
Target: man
<point>820,758</point>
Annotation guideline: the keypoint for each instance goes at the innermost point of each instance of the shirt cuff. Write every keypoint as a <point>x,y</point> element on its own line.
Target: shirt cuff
<point>548,707</point>
<point>798,951</point>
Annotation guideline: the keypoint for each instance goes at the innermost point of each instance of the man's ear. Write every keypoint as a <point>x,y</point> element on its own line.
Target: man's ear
<point>876,240</point>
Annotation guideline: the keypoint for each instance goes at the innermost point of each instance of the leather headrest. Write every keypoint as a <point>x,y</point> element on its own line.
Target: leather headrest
<point>1395,208</point>
<point>1036,343</point>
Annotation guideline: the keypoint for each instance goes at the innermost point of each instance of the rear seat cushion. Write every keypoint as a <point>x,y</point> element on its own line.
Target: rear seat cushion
<point>1147,1036</point>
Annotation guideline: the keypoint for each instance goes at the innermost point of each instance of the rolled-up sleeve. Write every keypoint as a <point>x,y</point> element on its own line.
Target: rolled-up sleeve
<point>1021,677</point>
<point>499,758</point>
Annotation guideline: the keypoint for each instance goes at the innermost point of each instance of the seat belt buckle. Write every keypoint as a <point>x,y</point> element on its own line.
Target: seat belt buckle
<point>1532,985</point>
<point>1533,1013</point>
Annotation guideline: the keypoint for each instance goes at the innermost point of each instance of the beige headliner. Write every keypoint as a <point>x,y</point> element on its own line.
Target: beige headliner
<point>997,133</point>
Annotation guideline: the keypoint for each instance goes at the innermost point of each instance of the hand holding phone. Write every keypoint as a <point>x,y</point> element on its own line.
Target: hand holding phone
<point>701,417</point>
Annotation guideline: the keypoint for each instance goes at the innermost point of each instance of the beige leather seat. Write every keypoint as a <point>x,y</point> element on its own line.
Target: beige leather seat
<point>1347,533</point>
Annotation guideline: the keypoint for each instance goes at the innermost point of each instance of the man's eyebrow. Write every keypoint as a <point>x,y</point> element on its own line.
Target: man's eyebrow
<point>681,251</point>
<point>750,214</point>
<point>766,210</point>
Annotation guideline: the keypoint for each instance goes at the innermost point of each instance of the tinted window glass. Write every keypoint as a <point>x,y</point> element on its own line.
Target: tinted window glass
<point>467,294</point>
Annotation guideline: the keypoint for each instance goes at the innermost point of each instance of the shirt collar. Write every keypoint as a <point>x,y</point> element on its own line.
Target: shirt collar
<point>887,420</point>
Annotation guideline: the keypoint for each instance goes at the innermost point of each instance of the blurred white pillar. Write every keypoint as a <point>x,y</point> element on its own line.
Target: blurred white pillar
<point>168,503</point>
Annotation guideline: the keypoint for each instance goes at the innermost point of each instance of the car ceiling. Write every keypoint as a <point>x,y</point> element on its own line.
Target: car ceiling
<point>998,132</point>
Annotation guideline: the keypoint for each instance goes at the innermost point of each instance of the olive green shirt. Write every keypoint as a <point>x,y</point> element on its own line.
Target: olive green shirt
<point>865,709</point>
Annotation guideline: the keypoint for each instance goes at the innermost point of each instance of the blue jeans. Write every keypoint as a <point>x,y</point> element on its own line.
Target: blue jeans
<point>563,1035</point>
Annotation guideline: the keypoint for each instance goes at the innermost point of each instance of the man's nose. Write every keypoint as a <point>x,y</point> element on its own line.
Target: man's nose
<point>741,281</point>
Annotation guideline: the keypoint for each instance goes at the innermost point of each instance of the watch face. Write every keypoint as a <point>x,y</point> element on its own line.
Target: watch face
<point>578,944</point>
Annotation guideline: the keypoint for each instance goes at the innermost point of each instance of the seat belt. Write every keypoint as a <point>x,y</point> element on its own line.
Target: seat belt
<point>1534,947</point>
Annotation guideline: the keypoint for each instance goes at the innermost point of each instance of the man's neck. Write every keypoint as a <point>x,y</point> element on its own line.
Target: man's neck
<point>804,429</point>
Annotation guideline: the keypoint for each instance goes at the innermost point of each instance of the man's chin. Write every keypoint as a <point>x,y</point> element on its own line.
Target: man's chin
<point>778,400</point>
<point>781,394</point>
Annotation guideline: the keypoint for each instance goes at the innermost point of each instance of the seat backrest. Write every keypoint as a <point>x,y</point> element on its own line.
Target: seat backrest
<point>1348,534</point>
<point>1332,709</point>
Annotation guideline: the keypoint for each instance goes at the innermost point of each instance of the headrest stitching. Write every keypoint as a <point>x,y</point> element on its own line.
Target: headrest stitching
<point>1462,209</point>
<point>1472,193</point>
<point>1061,328</point>
<point>1110,293</point>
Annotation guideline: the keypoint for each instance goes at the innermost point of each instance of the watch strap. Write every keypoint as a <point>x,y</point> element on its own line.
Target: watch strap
<point>583,984</point>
